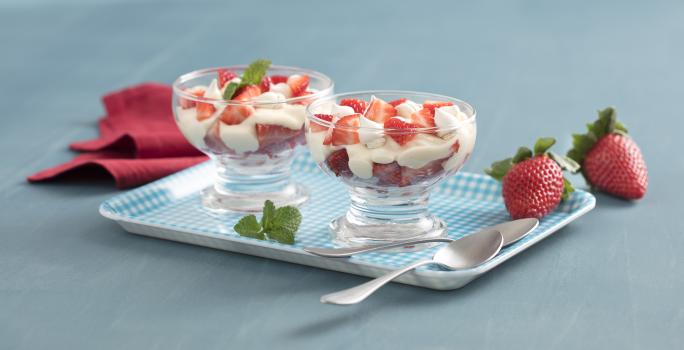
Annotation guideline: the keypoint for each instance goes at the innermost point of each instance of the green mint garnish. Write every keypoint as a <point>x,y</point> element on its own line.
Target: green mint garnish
<point>278,224</point>
<point>251,76</point>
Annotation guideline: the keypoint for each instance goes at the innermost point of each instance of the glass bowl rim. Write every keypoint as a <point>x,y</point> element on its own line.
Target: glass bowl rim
<point>177,90</point>
<point>312,118</point>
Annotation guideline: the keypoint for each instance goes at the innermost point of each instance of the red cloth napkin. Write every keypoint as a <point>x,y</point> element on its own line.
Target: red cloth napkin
<point>139,141</point>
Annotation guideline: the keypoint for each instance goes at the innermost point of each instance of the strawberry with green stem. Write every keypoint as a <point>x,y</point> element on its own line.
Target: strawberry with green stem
<point>611,160</point>
<point>532,183</point>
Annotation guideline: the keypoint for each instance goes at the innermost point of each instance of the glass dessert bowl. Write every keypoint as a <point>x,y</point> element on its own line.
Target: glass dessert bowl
<point>250,132</point>
<point>390,148</point>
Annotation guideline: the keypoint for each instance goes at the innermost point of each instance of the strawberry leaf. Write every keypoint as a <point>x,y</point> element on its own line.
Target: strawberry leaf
<point>567,189</point>
<point>605,124</point>
<point>499,169</point>
<point>543,144</point>
<point>566,163</point>
<point>522,154</point>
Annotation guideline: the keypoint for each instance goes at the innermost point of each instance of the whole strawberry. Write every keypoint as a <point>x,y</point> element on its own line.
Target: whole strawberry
<point>611,160</point>
<point>533,184</point>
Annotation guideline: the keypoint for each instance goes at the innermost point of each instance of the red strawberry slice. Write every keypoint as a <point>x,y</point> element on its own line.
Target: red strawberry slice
<point>359,106</point>
<point>345,131</point>
<point>298,84</point>
<point>247,93</point>
<point>274,134</point>
<point>213,140</point>
<point>398,102</point>
<point>388,174</point>
<point>277,79</point>
<point>380,111</point>
<point>400,130</point>
<point>187,104</point>
<point>338,163</point>
<point>431,105</point>
<point>265,84</point>
<point>429,171</point>
<point>316,127</point>
<point>235,114</point>
<point>204,110</point>
<point>424,118</point>
<point>456,146</point>
<point>224,76</point>
<point>306,101</point>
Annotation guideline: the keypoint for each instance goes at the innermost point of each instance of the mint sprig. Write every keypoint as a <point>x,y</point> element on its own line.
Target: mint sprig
<point>251,76</point>
<point>279,224</point>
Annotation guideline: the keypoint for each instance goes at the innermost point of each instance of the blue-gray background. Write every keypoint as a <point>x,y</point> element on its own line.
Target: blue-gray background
<point>71,279</point>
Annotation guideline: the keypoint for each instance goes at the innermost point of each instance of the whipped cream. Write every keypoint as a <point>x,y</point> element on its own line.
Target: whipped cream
<point>375,147</point>
<point>192,129</point>
<point>242,137</point>
<point>282,88</point>
<point>407,108</point>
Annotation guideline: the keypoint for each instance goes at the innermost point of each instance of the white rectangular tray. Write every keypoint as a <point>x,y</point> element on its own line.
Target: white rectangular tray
<point>170,209</point>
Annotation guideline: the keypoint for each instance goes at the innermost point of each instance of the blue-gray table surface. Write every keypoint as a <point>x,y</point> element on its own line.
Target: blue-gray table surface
<point>612,280</point>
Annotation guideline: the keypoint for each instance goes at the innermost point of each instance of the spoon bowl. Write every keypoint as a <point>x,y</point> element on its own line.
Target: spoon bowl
<point>464,253</point>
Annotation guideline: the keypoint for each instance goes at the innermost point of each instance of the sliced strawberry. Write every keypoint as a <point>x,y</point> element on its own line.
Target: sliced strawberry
<point>265,84</point>
<point>400,130</point>
<point>456,146</point>
<point>359,106</point>
<point>298,84</point>
<point>424,118</point>
<point>427,172</point>
<point>224,76</point>
<point>344,132</point>
<point>204,110</point>
<point>316,127</point>
<point>235,114</point>
<point>185,103</point>
<point>274,134</point>
<point>398,102</point>
<point>327,141</point>
<point>247,93</point>
<point>277,79</point>
<point>304,101</point>
<point>388,174</point>
<point>431,105</point>
<point>379,111</point>
<point>213,140</point>
<point>338,163</point>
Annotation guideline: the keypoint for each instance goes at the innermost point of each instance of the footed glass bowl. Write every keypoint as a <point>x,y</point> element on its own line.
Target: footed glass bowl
<point>251,138</point>
<point>389,167</point>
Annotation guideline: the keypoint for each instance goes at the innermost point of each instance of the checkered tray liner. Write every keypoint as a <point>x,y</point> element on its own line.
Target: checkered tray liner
<point>170,209</point>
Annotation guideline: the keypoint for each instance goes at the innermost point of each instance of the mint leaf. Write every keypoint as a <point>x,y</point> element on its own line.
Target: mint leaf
<point>499,169</point>
<point>255,72</point>
<point>269,214</point>
<point>248,226</point>
<point>282,236</point>
<point>567,189</point>
<point>286,219</point>
<point>230,90</point>
<point>543,144</point>
<point>251,76</point>
<point>522,154</point>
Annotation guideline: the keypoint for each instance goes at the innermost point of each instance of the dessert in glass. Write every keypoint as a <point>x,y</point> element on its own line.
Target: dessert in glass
<point>249,130</point>
<point>390,148</point>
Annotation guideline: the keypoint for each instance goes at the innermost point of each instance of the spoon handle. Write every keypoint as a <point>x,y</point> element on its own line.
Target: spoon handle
<point>346,252</point>
<point>359,293</point>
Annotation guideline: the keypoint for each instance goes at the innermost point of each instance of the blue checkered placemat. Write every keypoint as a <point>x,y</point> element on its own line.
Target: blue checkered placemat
<point>466,201</point>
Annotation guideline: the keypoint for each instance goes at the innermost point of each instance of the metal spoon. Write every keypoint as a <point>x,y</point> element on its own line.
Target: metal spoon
<point>464,253</point>
<point>512,231</point>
